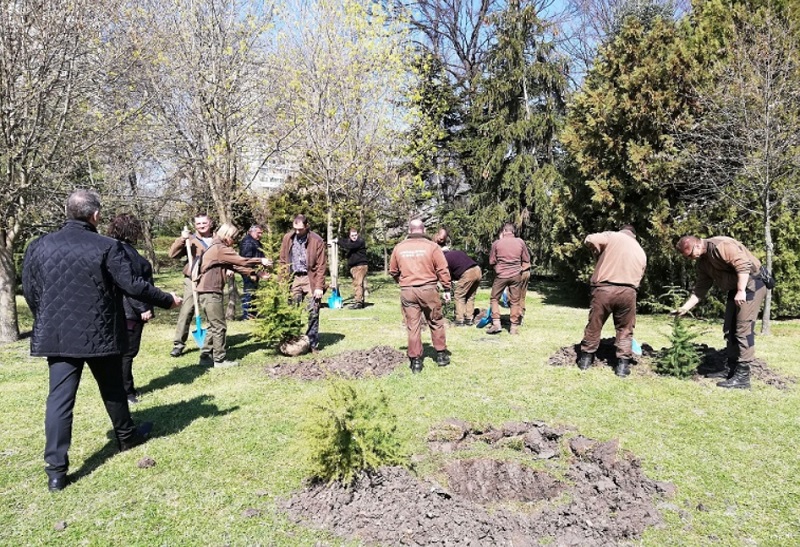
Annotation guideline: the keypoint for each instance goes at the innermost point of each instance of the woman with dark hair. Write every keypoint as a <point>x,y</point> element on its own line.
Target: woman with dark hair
<point>127,229</point>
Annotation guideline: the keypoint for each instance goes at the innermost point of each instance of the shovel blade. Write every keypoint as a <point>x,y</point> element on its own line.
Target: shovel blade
<point>335,300</point>
<point>199,334</point>
<point>635,347</point>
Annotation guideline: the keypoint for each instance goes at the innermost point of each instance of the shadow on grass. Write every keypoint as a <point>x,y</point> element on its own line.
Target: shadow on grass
<point>328,339</point>
<point>240,345</point>
<point>560,293</point>
<point>167,419</point>
<point>179,375</point>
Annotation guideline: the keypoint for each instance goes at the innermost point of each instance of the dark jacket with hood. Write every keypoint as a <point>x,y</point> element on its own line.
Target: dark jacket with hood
<point>74,280</point>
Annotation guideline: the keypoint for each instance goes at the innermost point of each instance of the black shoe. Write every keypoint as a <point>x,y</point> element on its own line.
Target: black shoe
<point>139,437</point>
<point>57,484</point>
<point>459,324</point>
<point>133,399</point>
<point>416,365</point>
<point>176,351</point>
<point>623,367</point>
<point>586,360</point>
<point>740,378</point>
<point>469,323</point>
<point>443,358</point>
<point>356,306</point>
<point>206,360</point>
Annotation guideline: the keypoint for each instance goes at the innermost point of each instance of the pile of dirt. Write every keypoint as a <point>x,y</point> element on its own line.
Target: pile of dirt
<point>716,359</point>
<point>606,355</point>
<point>378,361</point>
<point>594,496</point>
<point>713,360</point>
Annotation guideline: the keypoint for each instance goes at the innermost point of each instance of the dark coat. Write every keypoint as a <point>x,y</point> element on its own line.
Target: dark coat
<point>141,268</point>
<point>250,247</point>
<point>73,281</point>
<point>356,251</point>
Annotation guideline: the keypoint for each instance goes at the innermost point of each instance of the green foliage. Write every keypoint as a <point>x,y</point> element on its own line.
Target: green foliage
<point>620,134</point>
<point>682,357</point>
<point>509,147</point>
<point>349,431</point>
<point>277,318</point>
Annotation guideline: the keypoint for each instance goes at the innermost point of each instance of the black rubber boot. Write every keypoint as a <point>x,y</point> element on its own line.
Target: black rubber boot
<point>416,365</point>
<point>623,367</point>
<point>585,361</point>
<point>740,378</point>
<point>443,358</point>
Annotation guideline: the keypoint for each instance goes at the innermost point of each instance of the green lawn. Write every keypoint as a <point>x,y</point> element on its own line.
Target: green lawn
<point>226,440</point>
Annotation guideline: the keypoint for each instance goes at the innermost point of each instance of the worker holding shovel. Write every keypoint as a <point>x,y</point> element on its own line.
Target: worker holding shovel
<point>193,246</point>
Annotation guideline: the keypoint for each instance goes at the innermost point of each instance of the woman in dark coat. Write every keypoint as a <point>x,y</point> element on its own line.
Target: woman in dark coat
<point>127,229</point>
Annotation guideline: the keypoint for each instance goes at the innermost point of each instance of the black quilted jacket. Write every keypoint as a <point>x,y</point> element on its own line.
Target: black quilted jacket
<point>74,280</point>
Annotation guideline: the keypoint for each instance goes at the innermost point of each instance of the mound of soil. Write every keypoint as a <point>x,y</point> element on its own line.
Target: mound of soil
<point>595,496</point>
<point>378,361</point>
<point>606,355</point>
<point>716,359</point>
<point>713,360</point>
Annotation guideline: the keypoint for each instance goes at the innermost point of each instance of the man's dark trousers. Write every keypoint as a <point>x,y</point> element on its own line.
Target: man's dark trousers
<point>65,375</point>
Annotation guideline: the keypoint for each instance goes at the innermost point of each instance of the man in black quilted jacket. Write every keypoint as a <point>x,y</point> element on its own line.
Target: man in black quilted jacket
<point>73,281</point>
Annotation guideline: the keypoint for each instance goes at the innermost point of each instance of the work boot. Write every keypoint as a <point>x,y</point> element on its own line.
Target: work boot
<point>514,329</point>
<point>416,365</point>
<point>459,324</point>
<point>443,358</point>
<point>206,360</point>
<point>176,351</point>
<point>623,367</point>
<point>585,361</point>
<point>494,328</point>
<point>740,378</point>
<point>356,306</point>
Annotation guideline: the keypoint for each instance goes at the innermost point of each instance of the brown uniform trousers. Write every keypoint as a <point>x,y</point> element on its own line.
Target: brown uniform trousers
<point>607,300</point>
<point>419,302</point>
<point>740,322</point>
<point>359,274</point>
<point>516,297</point>
<point>464,294</point>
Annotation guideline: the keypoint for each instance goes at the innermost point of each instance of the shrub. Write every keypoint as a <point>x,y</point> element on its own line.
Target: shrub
<point>682,357</point>
<point>348,432</point>
<point>277,319</point>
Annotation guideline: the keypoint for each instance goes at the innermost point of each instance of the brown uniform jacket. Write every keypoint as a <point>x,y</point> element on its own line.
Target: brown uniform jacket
<point>418,261</point>
<point>216,261</point>
<point>622,260</point>
<point>723,260</point>
<point>178,249</point>
<point>509,256</point>
<point>315,258</point>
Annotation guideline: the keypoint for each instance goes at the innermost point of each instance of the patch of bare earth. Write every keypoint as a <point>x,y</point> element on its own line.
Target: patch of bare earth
<point>589,494</point>
<point>378,361</point>
<point>713,360</point>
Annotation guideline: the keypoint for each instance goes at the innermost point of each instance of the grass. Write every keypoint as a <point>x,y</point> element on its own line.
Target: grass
<point>226,440</point>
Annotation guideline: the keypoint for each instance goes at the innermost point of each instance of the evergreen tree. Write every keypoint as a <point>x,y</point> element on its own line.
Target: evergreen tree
<point>620,134</point>
<point>682,357</point>
<point>509,144</point>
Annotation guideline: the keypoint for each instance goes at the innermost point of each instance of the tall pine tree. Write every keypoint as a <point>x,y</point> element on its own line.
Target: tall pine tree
<point>509,144</point>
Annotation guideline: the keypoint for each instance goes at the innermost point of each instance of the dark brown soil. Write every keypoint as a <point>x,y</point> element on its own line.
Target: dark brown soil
<point>713,360</point>
<point>378,361</point>
<point>589,494</point>
<point>606,355</point>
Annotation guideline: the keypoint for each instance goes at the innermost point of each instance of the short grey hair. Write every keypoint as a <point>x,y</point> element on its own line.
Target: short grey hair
<point>82,204</point>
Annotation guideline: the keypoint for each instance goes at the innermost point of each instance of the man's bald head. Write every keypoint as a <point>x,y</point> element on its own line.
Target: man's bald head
<point>416,226</point>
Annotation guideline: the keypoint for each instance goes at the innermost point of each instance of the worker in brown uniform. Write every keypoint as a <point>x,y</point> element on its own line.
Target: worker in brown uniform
<point>510,257</point>
<point>621,262</point>
<point>726,263</point>
<point>418,265</point>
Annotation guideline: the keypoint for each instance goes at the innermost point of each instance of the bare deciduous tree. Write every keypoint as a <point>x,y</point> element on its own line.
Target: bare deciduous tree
<point>744,150</point>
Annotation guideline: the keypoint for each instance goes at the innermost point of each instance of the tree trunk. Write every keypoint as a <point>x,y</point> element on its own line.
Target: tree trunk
<point>9,325</point>
<point>765,317</point>
<point>233,299</point>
